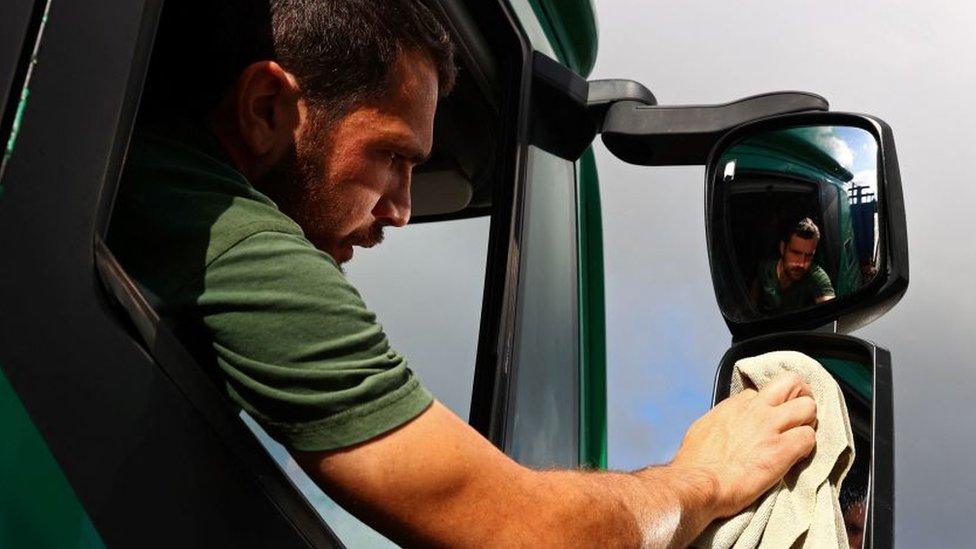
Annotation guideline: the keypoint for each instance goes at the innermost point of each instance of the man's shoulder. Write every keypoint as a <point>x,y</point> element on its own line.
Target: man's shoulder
<point>179,208</point>
<point>819,281</point>
<point>815,276</point>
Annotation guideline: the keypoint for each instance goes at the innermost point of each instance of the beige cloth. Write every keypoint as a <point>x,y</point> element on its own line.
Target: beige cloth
<point>803,509</point>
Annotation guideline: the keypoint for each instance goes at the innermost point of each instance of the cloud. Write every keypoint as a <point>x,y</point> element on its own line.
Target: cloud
<point>865,178</point>
<point>841,152</point>
<point>826,140</point>
<point>835,146</point>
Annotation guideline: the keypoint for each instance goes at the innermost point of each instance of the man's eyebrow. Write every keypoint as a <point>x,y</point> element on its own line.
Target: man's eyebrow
<point>397,143</point>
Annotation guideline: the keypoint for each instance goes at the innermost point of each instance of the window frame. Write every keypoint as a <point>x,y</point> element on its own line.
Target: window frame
<point>496,375</point>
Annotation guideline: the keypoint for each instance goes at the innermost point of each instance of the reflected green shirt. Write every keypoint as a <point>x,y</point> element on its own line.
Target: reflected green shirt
<point>800,294</point>
<point>272,318</point>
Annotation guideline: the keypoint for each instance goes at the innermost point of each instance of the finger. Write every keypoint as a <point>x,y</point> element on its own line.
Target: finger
<point>741,398</point>
<point>799,442</point>
<point>746,394</point>
<point>785,386</point>
<point>794,413</point>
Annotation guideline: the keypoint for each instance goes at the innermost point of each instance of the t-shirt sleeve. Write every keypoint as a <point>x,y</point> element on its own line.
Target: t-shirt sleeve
<point>299,349</point>
<point>823,286</point>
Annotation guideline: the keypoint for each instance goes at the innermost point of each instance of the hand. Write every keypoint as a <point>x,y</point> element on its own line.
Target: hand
<point>750,440</point>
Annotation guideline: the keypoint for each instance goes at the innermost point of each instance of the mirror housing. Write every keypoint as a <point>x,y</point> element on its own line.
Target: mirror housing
<point>871,418</point>
<point>850,311</point>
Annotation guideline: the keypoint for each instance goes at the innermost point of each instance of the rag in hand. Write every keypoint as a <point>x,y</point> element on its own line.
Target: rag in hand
<point>803,509</point>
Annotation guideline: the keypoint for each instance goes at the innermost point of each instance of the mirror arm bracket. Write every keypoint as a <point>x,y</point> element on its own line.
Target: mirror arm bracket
<point>568,110</point>
<point>602,94</point>
<point>683,135</point>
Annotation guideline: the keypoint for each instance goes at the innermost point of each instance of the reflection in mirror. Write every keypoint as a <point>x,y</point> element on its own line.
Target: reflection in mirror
<point>802,216</point>
<point>856,382</point>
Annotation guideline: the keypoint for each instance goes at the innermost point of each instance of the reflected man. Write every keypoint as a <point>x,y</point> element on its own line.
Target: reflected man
<point>792,281</point>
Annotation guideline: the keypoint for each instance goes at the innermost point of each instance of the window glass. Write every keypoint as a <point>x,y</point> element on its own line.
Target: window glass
<point>544,411</point>
<point>425,284</point>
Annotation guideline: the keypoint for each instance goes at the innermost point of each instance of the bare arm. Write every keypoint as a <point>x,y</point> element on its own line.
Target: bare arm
<point>436,481</point>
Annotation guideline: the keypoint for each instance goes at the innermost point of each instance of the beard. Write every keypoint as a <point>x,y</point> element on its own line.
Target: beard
<point>299,185</point>
<point>797,273</point>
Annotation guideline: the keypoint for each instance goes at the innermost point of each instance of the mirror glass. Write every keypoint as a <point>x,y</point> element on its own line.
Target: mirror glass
<point>856,382</point>
<point>801,217</point>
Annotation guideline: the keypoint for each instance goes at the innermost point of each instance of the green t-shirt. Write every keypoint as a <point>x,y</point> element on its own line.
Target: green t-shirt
<point>800,294</point>
<point>270,316</point>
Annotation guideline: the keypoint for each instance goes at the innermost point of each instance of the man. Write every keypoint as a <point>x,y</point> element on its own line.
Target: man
<point>237,208</point>
<point>792,281</point>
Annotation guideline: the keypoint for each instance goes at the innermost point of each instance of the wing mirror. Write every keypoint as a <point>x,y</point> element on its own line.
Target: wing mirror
<point>863,372</point>
<point>805,226</point>
<point>805,223</point>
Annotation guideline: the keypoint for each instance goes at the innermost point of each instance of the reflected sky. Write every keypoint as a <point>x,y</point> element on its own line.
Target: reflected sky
<point>853,148</point>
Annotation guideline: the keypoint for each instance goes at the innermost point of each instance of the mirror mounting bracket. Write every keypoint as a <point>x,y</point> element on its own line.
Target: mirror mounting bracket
<point>602,94</point>
<point>683,135</point>
<point>569,110</point>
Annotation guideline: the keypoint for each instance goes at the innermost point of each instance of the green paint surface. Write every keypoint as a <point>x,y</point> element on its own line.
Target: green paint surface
<point>593,346</point>
<point>38,508</point>
<point>24,93</point>
<point>855,374</point>
<point>15,127</point>
<point>571,27</point>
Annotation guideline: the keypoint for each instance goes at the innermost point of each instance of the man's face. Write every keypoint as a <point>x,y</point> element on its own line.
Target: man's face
<point>344,183</point>
<point>797,256</point>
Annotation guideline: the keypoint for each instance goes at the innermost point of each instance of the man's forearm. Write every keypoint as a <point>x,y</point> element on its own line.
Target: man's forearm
<point>463,492</point>
<point>662,506</point>
<point>435,481</point>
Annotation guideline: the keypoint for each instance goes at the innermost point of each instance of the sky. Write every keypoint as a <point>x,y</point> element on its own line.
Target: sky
<point>909,63</point>
<point>905,62</point>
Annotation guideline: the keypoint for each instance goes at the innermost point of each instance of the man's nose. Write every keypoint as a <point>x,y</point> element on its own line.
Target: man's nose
<point>394,207</point>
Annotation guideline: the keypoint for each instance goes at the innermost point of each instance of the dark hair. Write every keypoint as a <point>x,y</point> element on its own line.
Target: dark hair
<point>343,52</point>
<point>804,228</point>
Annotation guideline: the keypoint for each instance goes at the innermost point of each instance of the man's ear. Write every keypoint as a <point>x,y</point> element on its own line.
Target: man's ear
<point>268,110</point>
<point>782,248</point>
